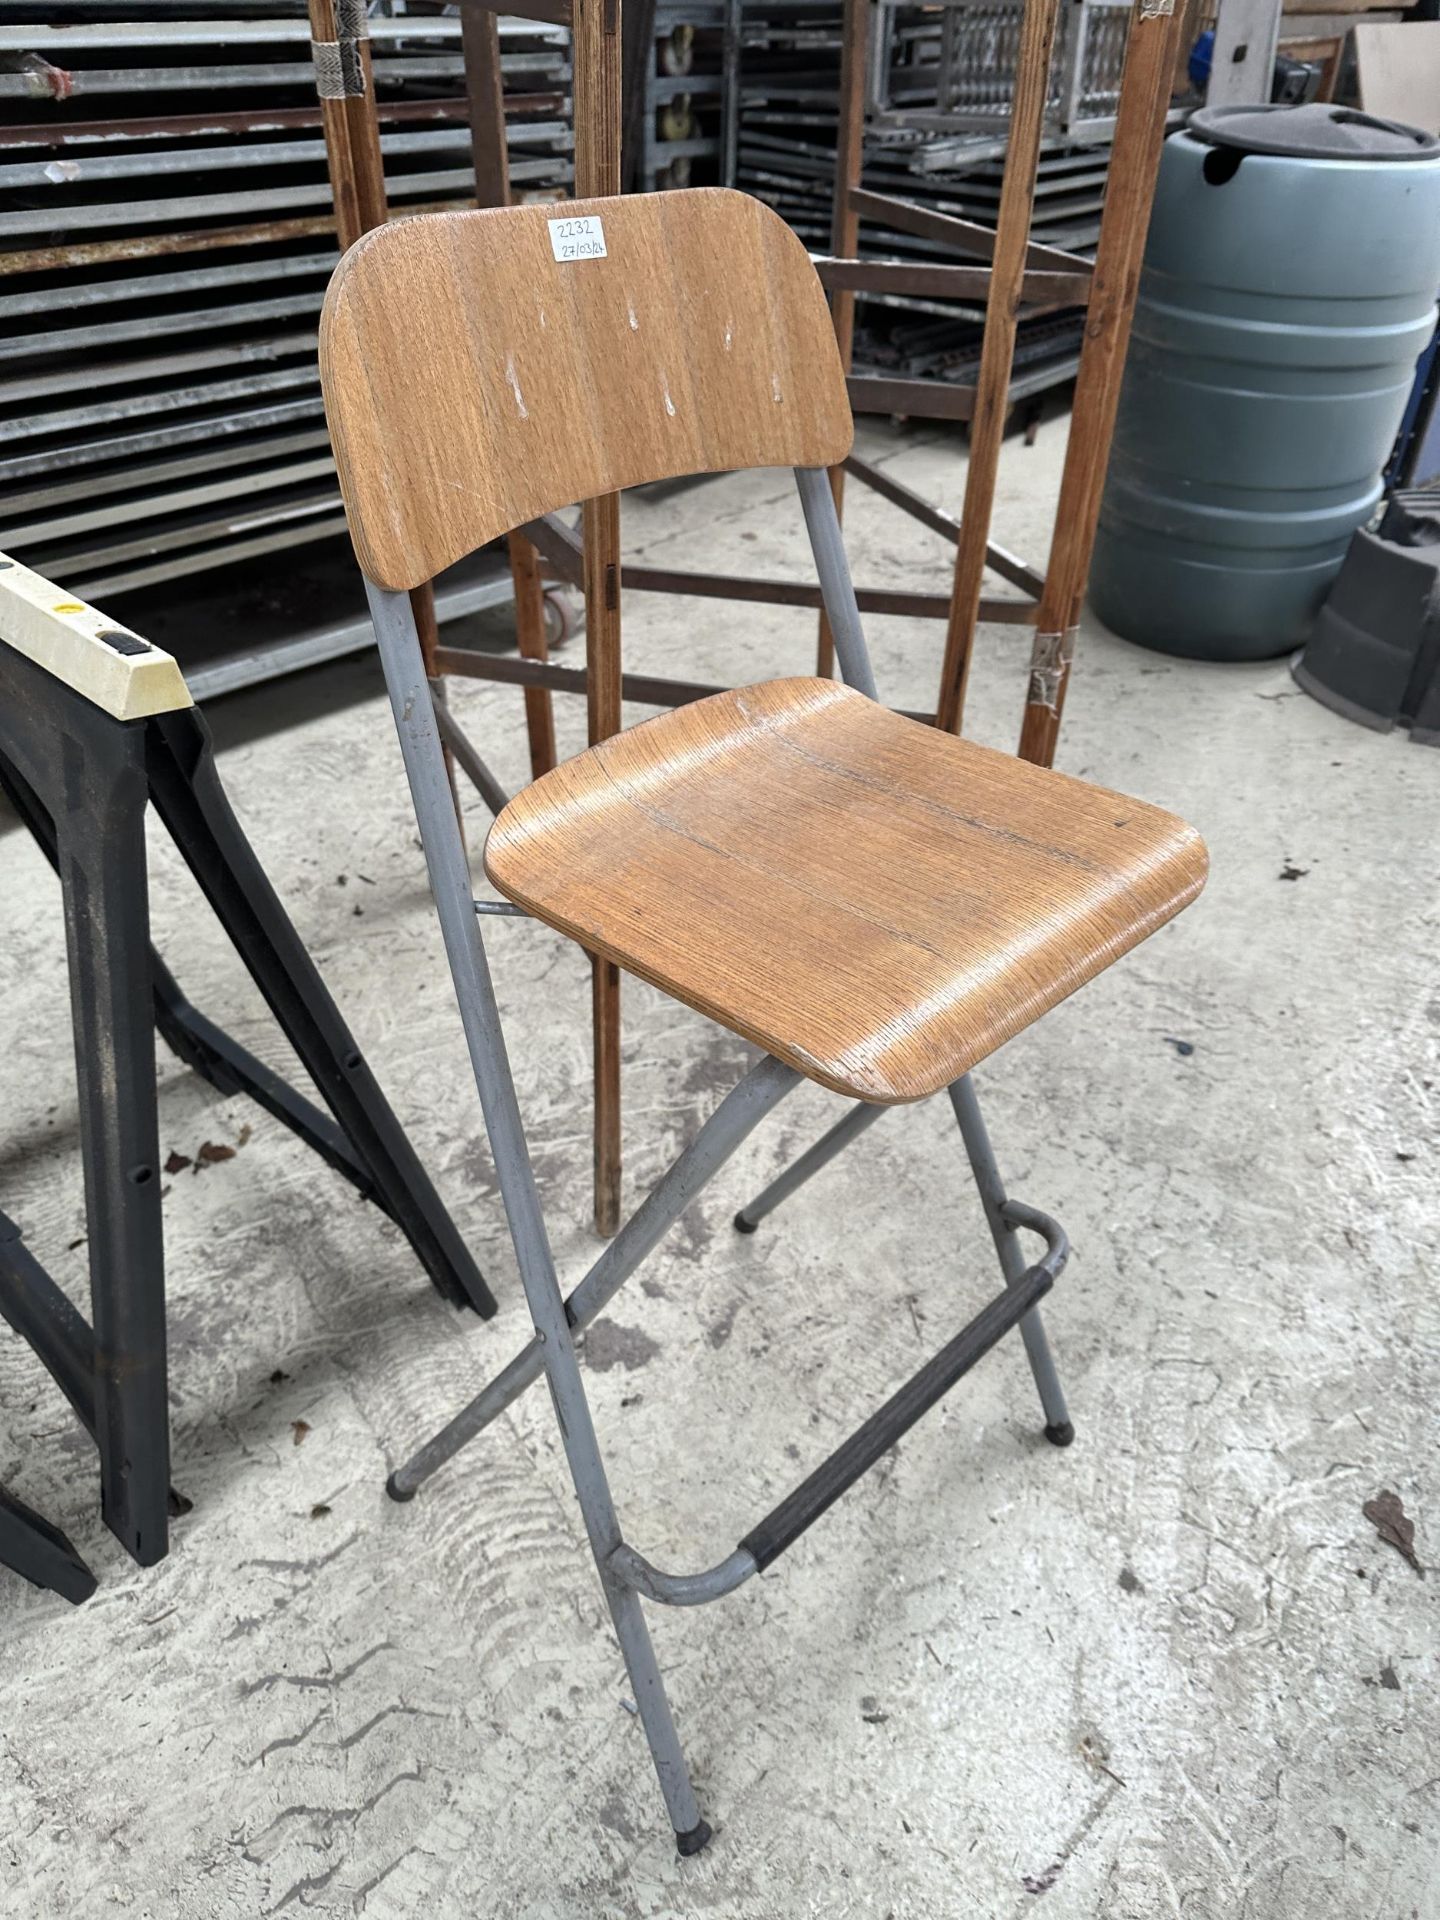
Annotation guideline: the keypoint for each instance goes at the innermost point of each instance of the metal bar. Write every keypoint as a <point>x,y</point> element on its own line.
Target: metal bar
<point>172,434</point>
<point>638,687</point>
<point>107,585</point>
<point>248,120</point>
<point>450,881</point>
<point>798,593</point>
<point>737,1116</point>
<point>800,1509</point>
<point>999,559</point>
<point>176,400</point>
<point>641,688</point>
<point>560,547</point>
<point>209,1051</point>
<point>940,280</point>
<point>822,523</point>
<point>857,1121</point>
<point>332,642</point>
<point>920,399</point>
<point>152,506</point>
<point>41,175</point>
<point>62,37</point>
<point>1003,1216</point>
<point>45,1319</point>
<point>100,844</point>
<point>89,293</point>
<point>730,63</point>
<point>40,1553</point>
<point>458,742</point>
<point>965,235</point>
<point>682,1589</point>
<point>203,206</point>
<point>35,386</point>
<point>190,799</point>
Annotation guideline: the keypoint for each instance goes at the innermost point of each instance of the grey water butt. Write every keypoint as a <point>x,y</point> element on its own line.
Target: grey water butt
<point>1290,284</point>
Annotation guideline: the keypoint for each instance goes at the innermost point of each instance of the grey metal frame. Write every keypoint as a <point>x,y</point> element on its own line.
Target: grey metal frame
<point>625,1575</point>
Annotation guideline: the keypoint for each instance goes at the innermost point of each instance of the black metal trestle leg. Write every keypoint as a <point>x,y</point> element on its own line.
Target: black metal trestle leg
<point>40,1552</point>
<point>81,781</point>
<point>375,1152</point>
<point>101,857</point>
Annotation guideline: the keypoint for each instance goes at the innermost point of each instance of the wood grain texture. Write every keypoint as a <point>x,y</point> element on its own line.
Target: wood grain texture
<point>356,168</point>
<point>876,902</point>
<point>485,92</point>
<point>1144,102</point>
<point>595,60</point>
<point>845,236</point>
<point>473,382</point>
<point>997,352</point>
<point>61,634</point>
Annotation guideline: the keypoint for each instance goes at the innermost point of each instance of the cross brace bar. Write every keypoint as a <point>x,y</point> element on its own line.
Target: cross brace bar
<point>560,547</point>
<point>819,1491</point>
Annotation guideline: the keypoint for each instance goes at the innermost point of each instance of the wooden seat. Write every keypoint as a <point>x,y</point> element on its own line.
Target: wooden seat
<point>873,901</point>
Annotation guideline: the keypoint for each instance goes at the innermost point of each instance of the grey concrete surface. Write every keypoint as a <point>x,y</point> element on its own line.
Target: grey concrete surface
<point>1170,1672</point>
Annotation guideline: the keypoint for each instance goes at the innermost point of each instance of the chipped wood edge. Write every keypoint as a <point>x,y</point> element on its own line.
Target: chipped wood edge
<point>63,635</point>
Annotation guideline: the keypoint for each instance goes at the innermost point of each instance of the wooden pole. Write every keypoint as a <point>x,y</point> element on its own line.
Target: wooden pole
<point>346,85</point>
<point>997,351</point>
<point>595,65</point>
<point>1144,103</point>
<point>845,232</point>
<point>484,86</point>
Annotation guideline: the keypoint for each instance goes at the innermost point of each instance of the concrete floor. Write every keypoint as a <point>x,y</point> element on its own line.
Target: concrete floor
<point>1172,1671</point>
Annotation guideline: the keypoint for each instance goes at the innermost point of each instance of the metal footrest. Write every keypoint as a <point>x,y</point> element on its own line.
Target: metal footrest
<point>801,1508</point>
<point>784,1524</point>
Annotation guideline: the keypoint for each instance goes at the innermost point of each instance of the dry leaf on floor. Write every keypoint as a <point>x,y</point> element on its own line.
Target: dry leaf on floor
<point>1387,1515</point>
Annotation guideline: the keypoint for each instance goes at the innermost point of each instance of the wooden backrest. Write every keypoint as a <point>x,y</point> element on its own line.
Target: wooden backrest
<point>483,368</point>
<point>111,667</point>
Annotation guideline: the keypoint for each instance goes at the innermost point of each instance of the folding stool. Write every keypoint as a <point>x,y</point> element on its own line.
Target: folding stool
<point>874,903</point>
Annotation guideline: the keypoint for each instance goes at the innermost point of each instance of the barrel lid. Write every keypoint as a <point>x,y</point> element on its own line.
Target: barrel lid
<point>1319,131</point>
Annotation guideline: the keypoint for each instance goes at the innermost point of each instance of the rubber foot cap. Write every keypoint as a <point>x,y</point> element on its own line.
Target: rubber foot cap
<point>1060,1436</point>
<point>742,1225</point>
<point>694,1841</point>
<point>399,1493</point>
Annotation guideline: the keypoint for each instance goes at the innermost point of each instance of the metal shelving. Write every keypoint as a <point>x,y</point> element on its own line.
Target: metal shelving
<point>786,132</point>
<point>166,236</point>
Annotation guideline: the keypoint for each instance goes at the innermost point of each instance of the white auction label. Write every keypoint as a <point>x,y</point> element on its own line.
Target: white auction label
<point>582,238</point>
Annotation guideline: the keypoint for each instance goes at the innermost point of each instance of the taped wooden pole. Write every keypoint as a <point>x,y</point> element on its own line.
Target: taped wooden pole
<point>1144,105</point>
<point>595,48</point>
<point>845,233</point>
<point>345,82</point>
<point>484,86</point>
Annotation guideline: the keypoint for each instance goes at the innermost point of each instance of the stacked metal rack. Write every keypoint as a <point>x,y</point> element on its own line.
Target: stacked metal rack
<point>684,105</point>
<point>937,104</point>
<point>167,235</point>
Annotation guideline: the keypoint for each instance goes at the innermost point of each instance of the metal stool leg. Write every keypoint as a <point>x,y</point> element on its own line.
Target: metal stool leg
<point>101,846</point>
<point>450,883</point>
<point>1058,1427</point>
<point>807,1166</point>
